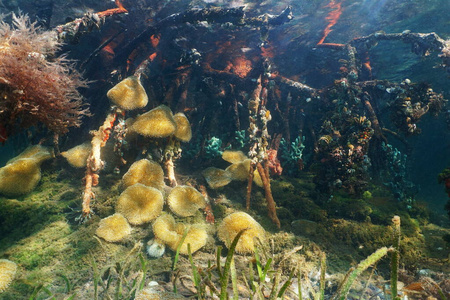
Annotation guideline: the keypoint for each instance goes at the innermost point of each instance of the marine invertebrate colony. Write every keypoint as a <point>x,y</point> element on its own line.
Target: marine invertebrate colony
<point>113,228</point>
<point>7,271</point>
<point>128,94</point>
<point>158,122</point>
<point>36,86</point>
<point>78,155</point>
<point>233,224</point>
<point>171,233</point>
<point>22,173</point>
<point>146,172</point>
<point>140,203</point>
<point>185,200</point>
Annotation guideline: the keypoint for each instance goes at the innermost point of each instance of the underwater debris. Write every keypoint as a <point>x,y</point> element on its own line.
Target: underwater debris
<point>73,30</point>
<point>94,162</point>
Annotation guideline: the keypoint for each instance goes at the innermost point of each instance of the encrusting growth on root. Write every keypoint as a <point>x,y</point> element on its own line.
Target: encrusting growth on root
<point>259,117</point>
<point>249,186</point>
<point>94,161</point>
<point>264,173</point>
<point>170,168</point>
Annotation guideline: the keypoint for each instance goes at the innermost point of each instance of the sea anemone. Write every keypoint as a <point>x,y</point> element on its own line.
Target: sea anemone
<point>113,228</point>
<point>37,152</point>
<point>157,123</point>
<point>233,156</point>
<point>183,132</point>
<point>7,272</point>
<point>232,224</point>
<point>146,172</point>
<point>184,200</point>
<point>216,177</point>
<point>239,170</point>
<point>22,173</point>
<point>169,232</point>
<point>140,204</point>
<point>78,155</point>
<point>166,230</point>
<point>128,94</point>
<point>196,237</point>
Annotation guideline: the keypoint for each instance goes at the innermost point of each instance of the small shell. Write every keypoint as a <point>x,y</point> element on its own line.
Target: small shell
<point>155,248</point>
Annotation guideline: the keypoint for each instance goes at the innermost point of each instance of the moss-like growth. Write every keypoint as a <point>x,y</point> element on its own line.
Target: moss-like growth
<point>367,195</point>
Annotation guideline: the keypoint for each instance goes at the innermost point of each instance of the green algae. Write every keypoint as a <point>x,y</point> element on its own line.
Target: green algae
<point>43,239</point>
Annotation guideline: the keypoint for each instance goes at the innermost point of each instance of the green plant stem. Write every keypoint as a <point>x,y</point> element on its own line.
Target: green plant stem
<point>96,276</point>
<point>234,280</point>
<point>395,256</point>
<point>362,266</point>
<point>323,269</point>
<point>299,284</point>
<point>177,253</point>
<point>226,268</point>
<point>196,275</point>
<point>175,260</point>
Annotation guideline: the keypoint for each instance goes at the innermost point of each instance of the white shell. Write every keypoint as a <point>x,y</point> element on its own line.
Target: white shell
<point>155,248</point>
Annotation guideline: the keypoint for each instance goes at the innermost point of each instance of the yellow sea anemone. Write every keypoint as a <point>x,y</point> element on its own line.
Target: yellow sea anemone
<point>37,152</point>
<point>233,224</point>
<point>8,270</point>
<point>22,173</point>
<point>185,200</point>
<point>78,155</point>
<point>113,228</point>
<point>216,177</point>
<point>183,132</point>
<point>20,177</point>
<point>166,230</point>
<point>170,233</point>
<point>233,156</point>
<point>239,170</point>
<point>158,123</point>
<point>196,237</point>
<point>140,204</point>
<point>146,172</point>
<point>128,94</point>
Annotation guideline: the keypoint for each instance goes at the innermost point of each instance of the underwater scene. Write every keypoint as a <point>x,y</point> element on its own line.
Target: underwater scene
<point>213,149</point>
